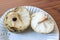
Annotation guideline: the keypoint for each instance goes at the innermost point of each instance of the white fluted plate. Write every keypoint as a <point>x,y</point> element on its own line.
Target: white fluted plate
<point>28,34</point>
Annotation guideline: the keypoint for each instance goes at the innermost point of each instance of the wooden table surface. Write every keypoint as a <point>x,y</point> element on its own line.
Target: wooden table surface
<point>51,6</point>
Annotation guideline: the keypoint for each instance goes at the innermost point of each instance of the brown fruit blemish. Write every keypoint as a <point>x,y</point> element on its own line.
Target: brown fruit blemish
<point>16,9</point>
<point>14,28</point>
<point>6,24</point>
<point>20,17</point>
<point>20,30</point>
<point>6,17</point>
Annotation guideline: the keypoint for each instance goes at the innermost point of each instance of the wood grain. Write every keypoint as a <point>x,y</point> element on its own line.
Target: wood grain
<point>51,6</point>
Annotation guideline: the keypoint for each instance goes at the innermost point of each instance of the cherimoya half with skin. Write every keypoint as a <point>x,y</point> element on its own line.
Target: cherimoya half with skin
<point>17,20</point>
<point>42,23</point>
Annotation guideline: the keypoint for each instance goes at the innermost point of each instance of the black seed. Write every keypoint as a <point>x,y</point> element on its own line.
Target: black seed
<point>14,19</point>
